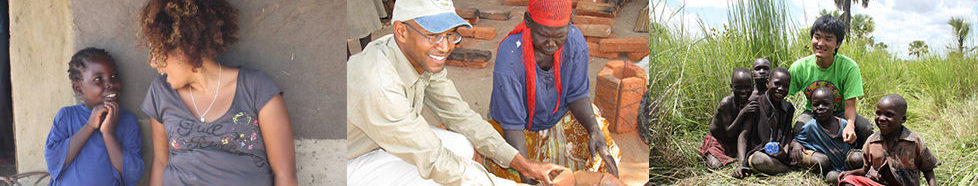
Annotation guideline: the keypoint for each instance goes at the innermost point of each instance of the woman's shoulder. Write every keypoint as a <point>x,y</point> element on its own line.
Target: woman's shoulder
<point>252,75</point>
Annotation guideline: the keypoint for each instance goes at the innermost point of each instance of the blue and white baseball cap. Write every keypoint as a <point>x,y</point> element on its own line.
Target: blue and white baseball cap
<point>435,16</point>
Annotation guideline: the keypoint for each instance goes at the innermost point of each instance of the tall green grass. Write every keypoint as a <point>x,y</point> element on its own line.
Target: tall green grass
<point>690,74</point>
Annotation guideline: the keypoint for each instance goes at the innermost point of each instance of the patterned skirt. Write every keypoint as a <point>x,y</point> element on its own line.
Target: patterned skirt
<point>564,144</point>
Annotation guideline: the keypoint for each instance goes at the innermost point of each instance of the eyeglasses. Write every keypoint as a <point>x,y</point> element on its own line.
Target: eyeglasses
<point>453,37</point>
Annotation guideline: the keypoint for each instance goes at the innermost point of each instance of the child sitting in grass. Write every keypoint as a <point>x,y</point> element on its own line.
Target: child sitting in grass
<point>96,142</point>
<point>894,155</point>
<point>819,145</point>
<point>719,146</point>
<point>763,143</point>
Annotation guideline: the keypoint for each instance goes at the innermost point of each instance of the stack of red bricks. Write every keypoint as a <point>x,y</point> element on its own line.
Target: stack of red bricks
<point>595,19</point>
<point>620,86</point>
<point>464,56</point>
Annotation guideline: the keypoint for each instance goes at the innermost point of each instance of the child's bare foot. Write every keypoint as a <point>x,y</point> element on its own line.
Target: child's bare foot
<point>712,162</point>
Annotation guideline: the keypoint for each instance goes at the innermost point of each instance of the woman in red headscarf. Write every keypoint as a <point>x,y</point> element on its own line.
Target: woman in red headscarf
<point>541,73</point>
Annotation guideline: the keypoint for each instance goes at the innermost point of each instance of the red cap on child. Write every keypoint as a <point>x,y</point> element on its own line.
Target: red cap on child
<point>554,13</point>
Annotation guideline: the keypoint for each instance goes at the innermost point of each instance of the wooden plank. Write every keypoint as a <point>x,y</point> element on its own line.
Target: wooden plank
<point>595,9</point>
<point>495,15</point>
<point>642,23</point>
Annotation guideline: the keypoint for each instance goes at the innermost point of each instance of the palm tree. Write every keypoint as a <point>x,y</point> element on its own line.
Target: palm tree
<point>833,13</point>
<point>846,6</point>
<point>961,29</point>
<point>862,25</point>
<point>918,48</point>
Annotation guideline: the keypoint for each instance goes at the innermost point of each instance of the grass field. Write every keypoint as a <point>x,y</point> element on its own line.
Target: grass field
<point>690,74</point>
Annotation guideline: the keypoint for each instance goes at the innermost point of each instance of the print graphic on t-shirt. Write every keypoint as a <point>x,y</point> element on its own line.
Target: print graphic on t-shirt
<point>822,83</point>
<point>241,135</point>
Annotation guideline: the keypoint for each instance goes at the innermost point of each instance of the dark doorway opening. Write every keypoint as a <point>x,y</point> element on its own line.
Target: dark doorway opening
<point>7,160</point>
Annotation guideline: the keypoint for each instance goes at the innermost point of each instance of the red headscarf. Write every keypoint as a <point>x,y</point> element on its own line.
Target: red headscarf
<point>554,13</point>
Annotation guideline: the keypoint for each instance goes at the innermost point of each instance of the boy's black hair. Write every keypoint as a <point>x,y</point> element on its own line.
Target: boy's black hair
<point>739,70</point>
<point>781,70</point>
<point>77,62</point>
<point>830,24</point>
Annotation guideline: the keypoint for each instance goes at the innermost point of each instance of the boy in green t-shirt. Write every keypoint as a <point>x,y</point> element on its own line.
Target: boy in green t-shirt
<point>827,68</point>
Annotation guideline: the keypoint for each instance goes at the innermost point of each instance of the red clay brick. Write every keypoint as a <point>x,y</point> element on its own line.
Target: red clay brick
<point>473,21</point>
<point>468,42</point>
<point>594,52</point>
<point>595,30</point>
<point>582,19</point>
<point>635,44</point>
<point>620,86</point>
<point>470,64</point>
<point>517,2</point>
<point>636,56</point>
<point>495,15</point>
<point>467,13</point>
<point>485,33</point>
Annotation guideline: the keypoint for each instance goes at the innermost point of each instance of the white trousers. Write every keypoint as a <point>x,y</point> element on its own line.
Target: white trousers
<point>379,167</point>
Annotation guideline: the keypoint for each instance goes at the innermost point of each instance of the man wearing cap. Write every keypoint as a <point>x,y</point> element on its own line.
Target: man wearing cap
<point>388,140</point>
<point>541,73</point>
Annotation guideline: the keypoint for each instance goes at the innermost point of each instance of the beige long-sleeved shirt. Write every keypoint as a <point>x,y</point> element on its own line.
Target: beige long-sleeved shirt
<point>385,96</point>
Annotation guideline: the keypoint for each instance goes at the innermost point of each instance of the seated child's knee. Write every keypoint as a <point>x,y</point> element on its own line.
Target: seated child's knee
<point>821,161</point>
<point>832,177</point>
<point>854,160</point>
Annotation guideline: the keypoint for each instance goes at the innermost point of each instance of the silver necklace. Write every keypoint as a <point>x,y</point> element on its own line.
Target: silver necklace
<point>217,92</point>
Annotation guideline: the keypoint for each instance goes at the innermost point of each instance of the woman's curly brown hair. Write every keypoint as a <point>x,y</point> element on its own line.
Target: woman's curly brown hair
<point>200,28</point>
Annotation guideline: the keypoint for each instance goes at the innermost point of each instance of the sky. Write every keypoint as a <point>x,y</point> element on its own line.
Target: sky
<point>898,22</point>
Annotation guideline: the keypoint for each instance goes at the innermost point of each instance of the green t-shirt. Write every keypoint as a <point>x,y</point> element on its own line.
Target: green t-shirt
<point>842,77</point>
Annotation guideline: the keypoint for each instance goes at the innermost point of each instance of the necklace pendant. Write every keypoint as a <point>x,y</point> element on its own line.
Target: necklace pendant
<point>202,119</point>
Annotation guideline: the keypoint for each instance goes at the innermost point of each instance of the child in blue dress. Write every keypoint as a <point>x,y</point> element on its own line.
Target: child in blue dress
<point>96,142</point>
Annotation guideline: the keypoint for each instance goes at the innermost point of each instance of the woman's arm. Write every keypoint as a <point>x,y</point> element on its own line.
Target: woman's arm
<point>583,111</point>
<point>276,129</point>
<point>161,153</point>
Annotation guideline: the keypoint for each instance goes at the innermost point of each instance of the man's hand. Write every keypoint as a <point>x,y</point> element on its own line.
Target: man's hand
<point>111,118</point>
<point>599,147</point>
<point>849,133</point>
<point>535,170</point>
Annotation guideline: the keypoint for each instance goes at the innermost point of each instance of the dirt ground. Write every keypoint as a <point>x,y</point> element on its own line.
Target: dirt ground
<point>475,84</point>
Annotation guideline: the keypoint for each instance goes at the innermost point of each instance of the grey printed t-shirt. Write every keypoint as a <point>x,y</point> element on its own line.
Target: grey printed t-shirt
<point>226,151</point>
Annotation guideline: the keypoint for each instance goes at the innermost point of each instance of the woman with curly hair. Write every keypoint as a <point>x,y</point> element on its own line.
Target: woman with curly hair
<point>210,128</point>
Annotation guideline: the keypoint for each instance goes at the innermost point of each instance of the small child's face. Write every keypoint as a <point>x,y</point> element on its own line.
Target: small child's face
<point>777,87</point>
<point>888,117</point>
<point>823,104</point>
<point>761,69</point>
<point>100,81</point>
<point>741,86</point>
